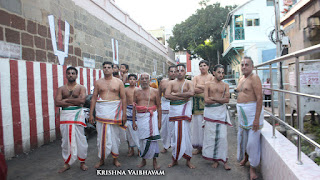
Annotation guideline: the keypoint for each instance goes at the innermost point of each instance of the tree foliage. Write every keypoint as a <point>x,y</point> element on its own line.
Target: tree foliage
<point>205,25</point>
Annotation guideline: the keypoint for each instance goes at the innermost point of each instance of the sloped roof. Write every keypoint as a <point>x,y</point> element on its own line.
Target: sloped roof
<point>232,12</point>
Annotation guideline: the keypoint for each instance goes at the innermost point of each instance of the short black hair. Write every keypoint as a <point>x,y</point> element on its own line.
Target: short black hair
<point>248,57</point>
<point>72,68</point>
<point>217,66</point>
<point>173,66</point>
<point>182,65</point>
<point>115,65</point>
<point>126,65</point>
<point>107,62</point>
<point>204,61</point>
<point>132,75</point>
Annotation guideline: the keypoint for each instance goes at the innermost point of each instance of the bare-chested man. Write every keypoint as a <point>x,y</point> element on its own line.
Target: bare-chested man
<point>179,92</point>
<point>71,97</point>
<point>108,91</point>
<point>216,116</point>
<point>116,72</point>
<point>198,106</point>
<point>250,116</point>
<point>147,110</point>
<point>165,106</point>
<point>124,68</point>
<point>132,136</point>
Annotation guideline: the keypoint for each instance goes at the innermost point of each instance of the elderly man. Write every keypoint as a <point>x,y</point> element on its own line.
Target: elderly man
<point>198,106</point>
<point>111,108</point>
<point>71,97</point>
<point>250,116</point>
<point>179,92</point>
<point>165,106</point>
<point>147,110</point>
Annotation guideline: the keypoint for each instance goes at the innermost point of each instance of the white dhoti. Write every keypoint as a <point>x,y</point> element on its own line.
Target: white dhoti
<point>148,131</point>
<point>109,128</point>
<point>215,142</point>
<point>132,135</point>
<point>197,131</point>
<point>74,143</point>
<point>166,125</point>
<point>197,121</point>
<point>248,140</point>
<point>147,122</point>
<point>180,113</point>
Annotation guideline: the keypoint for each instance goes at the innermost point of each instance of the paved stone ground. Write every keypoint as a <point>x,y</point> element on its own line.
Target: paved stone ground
<point>44,163</point>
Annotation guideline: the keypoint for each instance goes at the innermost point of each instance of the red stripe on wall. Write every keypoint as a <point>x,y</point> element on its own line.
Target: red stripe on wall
<point>16,119</point>
<point>1,125</point>
<point>94,77</point>
<point>55,89</point>
<point>99,74</point>
<point>88,79</point>
<point>188,63</point>
<point>32,106</point>
<point>81,76</point>
<point>65,80</point>
<point>44,98</point>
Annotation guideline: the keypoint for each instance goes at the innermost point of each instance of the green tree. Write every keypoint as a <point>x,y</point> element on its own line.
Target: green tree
<point>200,34</point>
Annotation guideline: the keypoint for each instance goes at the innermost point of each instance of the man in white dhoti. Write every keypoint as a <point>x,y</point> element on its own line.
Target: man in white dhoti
<point>111,108</point>
<point>147,110</point>
<point>216,116</point>
<point>132,135</point>
<point>250,116</point>
<point>179,92</point>
<point>166,125</point>
<point>198,106</point>
<point>71,97</point>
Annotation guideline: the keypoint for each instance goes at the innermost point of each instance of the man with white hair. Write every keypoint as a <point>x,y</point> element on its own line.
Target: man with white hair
<point>147,111</point>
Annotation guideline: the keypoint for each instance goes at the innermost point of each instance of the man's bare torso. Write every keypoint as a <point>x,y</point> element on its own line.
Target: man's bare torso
<point>245,90</point>
<point>201,80</point>
<point>163,85</point>
<point>129,94</point>
<point>109,89</point>
<point>217,90</point>
<point>177,86</point>
<point>71,94</point>
<point>142,96</point>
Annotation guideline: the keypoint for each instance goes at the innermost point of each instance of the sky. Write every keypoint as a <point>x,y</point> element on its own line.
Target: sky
<point>152,14</point>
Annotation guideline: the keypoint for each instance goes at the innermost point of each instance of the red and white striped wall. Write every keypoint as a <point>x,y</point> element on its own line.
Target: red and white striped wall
<point>28,117</point>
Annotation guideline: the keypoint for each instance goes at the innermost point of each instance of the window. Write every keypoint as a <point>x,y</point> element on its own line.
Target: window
<point>238,27</point>
<point>269,2</point>
<point>253,22</point>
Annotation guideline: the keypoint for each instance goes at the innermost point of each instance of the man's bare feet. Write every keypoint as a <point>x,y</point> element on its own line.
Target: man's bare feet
<point>164,150</point>
<point>131,152</point>
<point>215,164</point>
<point>100,163</point>
<point>155,164</point>
<point>198,151</point>
<point>173,163</point>
<point>143,163</point>
<point>226,166</point>
<point>65,168</point>
<point>83,166</point>
<point>116,162</point>
<point>190,165</point>
<point>244,161</point>
<point>138,152</point>
<point>253,174</point>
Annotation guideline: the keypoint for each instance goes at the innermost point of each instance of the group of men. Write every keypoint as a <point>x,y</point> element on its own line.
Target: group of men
<point>183,114</point>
